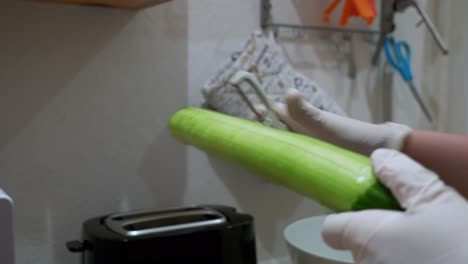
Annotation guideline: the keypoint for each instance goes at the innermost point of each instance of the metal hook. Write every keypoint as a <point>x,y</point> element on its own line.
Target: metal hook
<point>401,5</point>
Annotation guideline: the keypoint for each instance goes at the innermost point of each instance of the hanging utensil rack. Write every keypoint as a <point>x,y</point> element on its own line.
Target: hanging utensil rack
<point>266,21</point>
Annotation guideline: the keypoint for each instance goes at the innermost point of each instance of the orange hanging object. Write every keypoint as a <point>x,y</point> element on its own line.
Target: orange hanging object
<point>363,8</point>
<point>329,10</point>
<point>349,10</point>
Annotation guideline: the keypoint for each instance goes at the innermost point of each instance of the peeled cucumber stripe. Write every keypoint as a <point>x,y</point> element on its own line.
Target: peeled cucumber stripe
<point>337,178</point>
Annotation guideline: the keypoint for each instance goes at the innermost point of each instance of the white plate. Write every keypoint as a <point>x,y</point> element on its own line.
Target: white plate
<point>306,245</point>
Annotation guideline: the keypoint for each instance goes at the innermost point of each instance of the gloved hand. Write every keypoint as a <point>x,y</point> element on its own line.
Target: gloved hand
<point>432,230</point>
<point>348,133</point>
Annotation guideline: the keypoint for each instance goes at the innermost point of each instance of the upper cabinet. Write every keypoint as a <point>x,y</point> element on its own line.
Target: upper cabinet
<point>129,4</point>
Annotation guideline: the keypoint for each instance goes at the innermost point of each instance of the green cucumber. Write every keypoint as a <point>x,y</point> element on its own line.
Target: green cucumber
<point>337,178</point>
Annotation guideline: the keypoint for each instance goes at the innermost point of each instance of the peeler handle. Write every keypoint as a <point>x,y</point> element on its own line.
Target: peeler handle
<point>271,118</point>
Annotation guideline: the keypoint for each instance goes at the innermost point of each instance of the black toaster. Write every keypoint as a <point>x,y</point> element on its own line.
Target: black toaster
<point>202,234</point>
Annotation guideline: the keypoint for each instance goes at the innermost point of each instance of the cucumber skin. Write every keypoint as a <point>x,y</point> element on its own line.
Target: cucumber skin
<point>301,163</point>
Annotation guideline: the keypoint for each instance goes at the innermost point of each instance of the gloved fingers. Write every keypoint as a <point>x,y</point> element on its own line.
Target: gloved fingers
<point>342,131</point>
<point>352,230</point>
<point>282,113</point>
<point>301,111</point>
<point>313,118</point>
<point>325,125</point>
<point>409,181</point>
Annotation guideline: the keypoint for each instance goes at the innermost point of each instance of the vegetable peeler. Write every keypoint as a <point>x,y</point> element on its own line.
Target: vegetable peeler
<point>271,119</point>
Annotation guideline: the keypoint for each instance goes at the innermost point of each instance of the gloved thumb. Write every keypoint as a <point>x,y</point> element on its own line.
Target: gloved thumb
<point>283,114</point>
<point>352,230</point>
<point>301,111</point>
<point>410,182</point>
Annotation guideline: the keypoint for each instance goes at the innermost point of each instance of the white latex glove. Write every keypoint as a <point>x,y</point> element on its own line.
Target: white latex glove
<point>348,133</point>
<point>432,230</point>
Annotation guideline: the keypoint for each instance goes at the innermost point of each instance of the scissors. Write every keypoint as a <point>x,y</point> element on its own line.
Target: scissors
<point>387,24</point>
<point>399,56</point>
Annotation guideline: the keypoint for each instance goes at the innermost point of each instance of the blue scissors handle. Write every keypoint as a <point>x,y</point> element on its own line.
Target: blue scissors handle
<point>399,56</point>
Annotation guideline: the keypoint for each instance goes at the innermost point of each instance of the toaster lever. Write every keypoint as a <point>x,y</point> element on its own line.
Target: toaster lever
<point>76,246</point>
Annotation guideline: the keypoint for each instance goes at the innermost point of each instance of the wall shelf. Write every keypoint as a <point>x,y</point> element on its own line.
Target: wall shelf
<point>128,4</point>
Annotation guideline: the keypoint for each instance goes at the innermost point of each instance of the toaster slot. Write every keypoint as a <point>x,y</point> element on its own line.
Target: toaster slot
<point>140,214</point>
<point>153,223</point>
